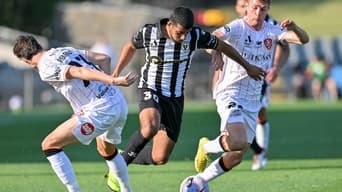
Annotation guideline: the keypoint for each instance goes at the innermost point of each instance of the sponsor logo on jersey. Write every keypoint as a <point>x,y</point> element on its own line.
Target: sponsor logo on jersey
<point>57,73</point>
<point>227,28</point>
<point>157,60</point>
<point>268,43</point>
<point>87,128</point>
<point>256,58</point>
<point>258,44</point>
<point>102,89</point>
<point>64,55</point>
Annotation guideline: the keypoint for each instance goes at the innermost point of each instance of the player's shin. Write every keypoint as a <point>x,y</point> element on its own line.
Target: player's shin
<point>118,168</point>
<point>144,157</point>
<point>136,143</point>
<point>61,165</point>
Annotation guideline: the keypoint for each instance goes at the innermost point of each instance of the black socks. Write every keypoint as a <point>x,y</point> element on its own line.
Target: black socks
<point>136,143</point>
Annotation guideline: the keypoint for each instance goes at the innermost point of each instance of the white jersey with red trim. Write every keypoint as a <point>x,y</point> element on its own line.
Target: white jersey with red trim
<point>52,69</point>
<point>258,48</point>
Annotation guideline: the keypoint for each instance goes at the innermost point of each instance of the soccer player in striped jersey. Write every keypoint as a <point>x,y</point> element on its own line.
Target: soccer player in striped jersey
<point>169,46</point>
<point>100,109</point>
<point>238,96</point>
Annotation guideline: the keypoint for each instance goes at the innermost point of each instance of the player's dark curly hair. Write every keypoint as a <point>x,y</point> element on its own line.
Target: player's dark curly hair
<point>26,46</point>
<point>182,16</point>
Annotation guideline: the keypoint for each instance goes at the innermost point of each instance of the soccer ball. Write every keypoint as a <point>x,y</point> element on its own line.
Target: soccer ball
<point>194,184</point>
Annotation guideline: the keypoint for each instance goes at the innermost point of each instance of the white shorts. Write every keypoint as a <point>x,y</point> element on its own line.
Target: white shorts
<point>104,118</point>
<point>236,114</point>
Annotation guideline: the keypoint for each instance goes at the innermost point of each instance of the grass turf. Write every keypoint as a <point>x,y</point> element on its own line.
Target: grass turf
<point>314,175</point>
<point>304,153</point>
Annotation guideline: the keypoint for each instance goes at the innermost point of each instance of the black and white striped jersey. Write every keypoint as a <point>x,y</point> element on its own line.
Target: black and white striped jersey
<point>166,61</point>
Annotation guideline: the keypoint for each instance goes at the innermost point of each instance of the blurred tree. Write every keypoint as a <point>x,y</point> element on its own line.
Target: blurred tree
<point>34,16</point>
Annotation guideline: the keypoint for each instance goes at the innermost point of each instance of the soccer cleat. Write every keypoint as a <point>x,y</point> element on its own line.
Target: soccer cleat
<point>259,161</point>
<point>201,158</point>
<point>112,182</point>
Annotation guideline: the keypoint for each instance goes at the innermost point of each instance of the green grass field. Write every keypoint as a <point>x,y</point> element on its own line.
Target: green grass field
<point>305,153</point>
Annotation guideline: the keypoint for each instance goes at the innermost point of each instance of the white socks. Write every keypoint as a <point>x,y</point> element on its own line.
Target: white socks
<point>212,171</point>
<point>118,167</point>
<point>213,146</point>
<point>262,135</point>
<point>61,164</point>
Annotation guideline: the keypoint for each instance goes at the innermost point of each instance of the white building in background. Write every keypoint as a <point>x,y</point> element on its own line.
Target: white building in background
<point>17,79</point>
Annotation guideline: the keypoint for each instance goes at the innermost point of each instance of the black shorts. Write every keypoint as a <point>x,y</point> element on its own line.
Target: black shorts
<point>170,109</point>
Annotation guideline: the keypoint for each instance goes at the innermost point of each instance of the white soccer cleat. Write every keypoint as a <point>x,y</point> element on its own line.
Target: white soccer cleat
<point>194,184</point>
<point>259,161</point>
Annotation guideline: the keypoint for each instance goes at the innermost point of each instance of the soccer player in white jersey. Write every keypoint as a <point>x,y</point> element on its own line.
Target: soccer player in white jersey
<point>238,96</point>
<point>100,109</point>
<point>261,141</point>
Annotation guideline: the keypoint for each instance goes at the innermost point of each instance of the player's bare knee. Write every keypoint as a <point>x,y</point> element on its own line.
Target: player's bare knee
<point>47,143</point>
<point>104,152</point>
<point>238,146</point>
<point>160,160</point>
<point>148,131</point>
<point>233,144</point>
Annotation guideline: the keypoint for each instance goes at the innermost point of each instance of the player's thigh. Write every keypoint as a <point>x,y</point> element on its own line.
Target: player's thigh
<point>62,136</point>
<point>149,121</point>
<point>149,115</point>
<point>162,145</point>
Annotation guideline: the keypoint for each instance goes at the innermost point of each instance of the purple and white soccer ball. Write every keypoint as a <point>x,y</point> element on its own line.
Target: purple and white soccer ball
<point>194,184</point>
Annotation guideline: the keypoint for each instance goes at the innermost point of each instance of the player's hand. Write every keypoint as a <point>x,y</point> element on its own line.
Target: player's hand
<point>126,80</point>
<point>255,72</point>
<point>272,75</point>
<point>288,24</point>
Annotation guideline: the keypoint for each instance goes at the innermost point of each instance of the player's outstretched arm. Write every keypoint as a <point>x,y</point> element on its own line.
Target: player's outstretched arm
<point>99,59</point>
<point>125,57</point>
<point>295,34</point>
<point>253,71</point>
<point>95,75</point>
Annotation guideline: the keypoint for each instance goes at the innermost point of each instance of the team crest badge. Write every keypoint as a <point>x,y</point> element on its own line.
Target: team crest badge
<point>87,128</point>
<point>185,45</point>
<point>268,43</point>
